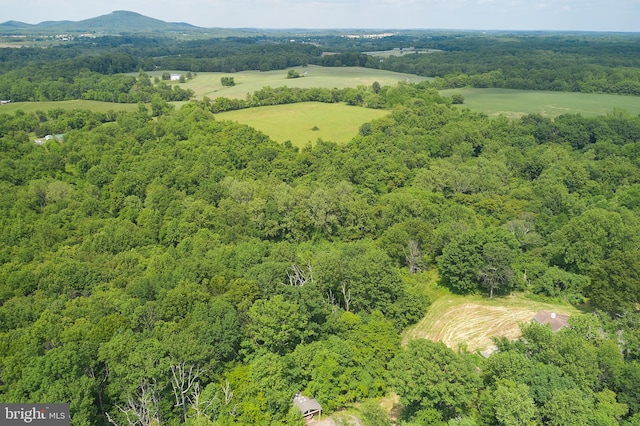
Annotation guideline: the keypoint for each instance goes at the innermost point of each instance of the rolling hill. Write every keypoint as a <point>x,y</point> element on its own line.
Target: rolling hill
<point>119,21</point>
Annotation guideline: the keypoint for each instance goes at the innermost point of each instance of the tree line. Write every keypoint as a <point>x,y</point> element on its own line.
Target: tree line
<point>567,63</point>
<point>87,85</point>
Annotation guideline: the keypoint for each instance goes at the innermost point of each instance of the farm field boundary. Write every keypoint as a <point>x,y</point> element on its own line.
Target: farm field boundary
<point>516,103</point>
<point>208,84</point>
<point>305,122</point>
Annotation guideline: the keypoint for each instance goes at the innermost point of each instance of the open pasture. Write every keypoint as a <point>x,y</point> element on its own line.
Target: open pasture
<point>75,104</point>
<point>295,122</point>
<point>208,84</point>
<point>516,103</point>
<point>472,321</point>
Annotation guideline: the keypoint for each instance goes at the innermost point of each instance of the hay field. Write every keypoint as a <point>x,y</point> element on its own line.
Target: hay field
<point>294,122</point>
<point>208,84</point>
<point>471,321</point>
<point>516,103</point>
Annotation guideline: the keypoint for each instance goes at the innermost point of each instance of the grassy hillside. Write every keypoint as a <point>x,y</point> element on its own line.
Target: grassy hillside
<point>471,321</point>
<point>294,122</point>
<point>208,84</point>
<point>516,103</point>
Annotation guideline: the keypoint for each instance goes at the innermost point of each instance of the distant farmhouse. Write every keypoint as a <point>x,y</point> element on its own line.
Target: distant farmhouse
<point>42,141</point>
<point>175,77</point>
<point>308,407</point>
<point>556,321</point>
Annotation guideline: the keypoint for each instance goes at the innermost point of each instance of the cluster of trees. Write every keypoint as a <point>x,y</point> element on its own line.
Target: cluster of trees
<point>112,55</point>
<point>20,125</point>
<point>366,96</point>
<point>94,70</point>
<point>372,96</point>
<point>586,63</point>
<point>216,54</point>
<point>578,376</point>
<point>89,85</point>
<point>227,81</point>
<point>348,59</point>
<point>79,71</point>
<point>188,270</point>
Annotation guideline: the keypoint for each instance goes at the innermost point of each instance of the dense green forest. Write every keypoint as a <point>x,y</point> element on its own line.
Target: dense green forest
<point>560,62</point>
<point>182,269</point>
<point>163,266</point>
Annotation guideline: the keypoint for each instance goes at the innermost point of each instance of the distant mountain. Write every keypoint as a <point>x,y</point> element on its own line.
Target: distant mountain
<point>15,24</point>
<point>53,23</point>
<point>120,21</point>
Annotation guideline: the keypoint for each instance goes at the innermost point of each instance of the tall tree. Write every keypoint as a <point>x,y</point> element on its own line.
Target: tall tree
<point>513,404</point>
<point>276,325</point>
<point>479,258</point>
<point>430,375</point>
<point>496,272</point>
<point>615,282</point>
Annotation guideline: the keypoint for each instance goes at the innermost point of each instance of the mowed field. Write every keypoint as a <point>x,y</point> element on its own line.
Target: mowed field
<point>470,322</point>
<point>208,84</point>
<point>516,103</point>
<point>493,102</point>
<point>76,104</point>
<point>294,122</point>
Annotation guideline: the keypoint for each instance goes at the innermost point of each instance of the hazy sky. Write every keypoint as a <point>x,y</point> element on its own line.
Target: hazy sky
<point>590,15</point>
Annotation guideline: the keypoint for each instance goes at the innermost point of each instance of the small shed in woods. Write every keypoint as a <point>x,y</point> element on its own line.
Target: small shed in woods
<point>556,321</point>
<point>309,407</point>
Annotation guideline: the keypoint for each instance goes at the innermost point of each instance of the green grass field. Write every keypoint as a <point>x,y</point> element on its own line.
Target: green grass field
<point>493,102</point>
<point>294,122</point>
<point>516,103</point>
<point>76,104</point>
<point>208,84</point>
<point>471,321</point>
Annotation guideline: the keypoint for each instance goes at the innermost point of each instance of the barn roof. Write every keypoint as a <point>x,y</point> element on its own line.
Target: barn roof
<point>556,321</point>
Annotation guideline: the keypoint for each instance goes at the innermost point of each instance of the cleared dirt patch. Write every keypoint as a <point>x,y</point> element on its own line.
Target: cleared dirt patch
<point>472,322</point>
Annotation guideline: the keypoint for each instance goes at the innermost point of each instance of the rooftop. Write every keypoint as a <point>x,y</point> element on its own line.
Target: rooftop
<point>557,321</point>
<point>307,406</point>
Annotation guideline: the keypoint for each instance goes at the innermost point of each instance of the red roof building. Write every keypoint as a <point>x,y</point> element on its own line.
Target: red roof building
<point>556,321</point>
